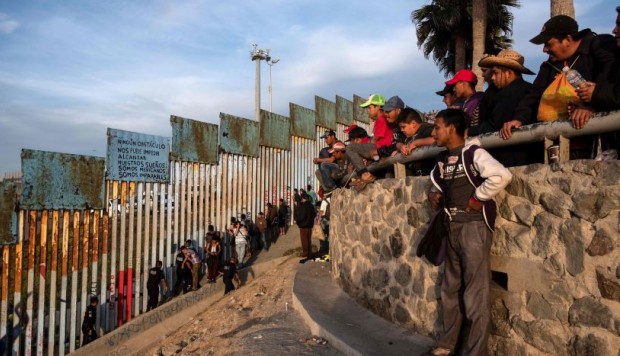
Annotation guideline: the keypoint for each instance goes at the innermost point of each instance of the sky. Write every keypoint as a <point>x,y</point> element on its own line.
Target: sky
<point>70,69</point>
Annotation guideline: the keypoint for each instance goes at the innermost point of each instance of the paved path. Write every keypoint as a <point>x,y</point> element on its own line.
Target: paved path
<point>332,314</point>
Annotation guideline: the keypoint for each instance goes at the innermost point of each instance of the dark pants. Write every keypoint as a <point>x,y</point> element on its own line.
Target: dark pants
<point>467,273</point>
<point>153,297</point>
<point>180,280</point>
<point>187,279</point>
<point>213,265</point>
<point>228,285</point>
<point>305,234</point>
<point>89,334</point>
<point>357,152</point>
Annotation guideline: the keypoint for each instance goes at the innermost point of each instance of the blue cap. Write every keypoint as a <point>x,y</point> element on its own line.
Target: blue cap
<point>394,103</point>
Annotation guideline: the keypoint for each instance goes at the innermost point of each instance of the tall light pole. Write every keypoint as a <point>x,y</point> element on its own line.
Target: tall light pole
<point>257,54</point>
<point>271,62</point>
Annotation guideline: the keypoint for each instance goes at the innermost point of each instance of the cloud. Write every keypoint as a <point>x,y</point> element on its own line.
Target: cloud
<point>7,26</point>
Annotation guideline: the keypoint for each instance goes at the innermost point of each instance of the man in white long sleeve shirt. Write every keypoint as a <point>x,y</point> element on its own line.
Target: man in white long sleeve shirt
<point>467,178</point>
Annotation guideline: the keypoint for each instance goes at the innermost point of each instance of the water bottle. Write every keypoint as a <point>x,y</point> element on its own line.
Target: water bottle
<point>574,78</point>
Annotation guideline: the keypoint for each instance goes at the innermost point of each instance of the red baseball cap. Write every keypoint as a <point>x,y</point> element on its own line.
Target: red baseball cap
<point>350,128</point>
<point>463,75</point>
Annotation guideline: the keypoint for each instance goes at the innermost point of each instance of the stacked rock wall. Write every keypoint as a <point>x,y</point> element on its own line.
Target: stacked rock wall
<point>555,258</point>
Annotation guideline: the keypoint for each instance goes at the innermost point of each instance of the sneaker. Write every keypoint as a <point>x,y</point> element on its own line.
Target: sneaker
<point>440,351</point>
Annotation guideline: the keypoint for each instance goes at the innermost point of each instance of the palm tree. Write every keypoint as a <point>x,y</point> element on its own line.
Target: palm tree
<point>562,7</point>
<point>441,31</point>
<point>444,29</point>
<point>479,27</point>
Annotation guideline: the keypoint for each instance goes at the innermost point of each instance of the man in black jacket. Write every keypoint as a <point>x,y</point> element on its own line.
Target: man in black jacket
<point>507,75</point>
<point>590,54</point>
<point>156,277</point>
<point>304,217</point>
<point>90,321</point>
<point>606,96</point>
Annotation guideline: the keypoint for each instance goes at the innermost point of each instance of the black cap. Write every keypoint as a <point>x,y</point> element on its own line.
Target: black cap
<point>357,132</point>
<point>448,89</point>
<point>557,26</point>
<point>328,133</point>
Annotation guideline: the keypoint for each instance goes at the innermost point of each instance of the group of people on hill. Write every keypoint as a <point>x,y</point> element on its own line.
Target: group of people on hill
<point>244,238</point>
<point>580,77</point>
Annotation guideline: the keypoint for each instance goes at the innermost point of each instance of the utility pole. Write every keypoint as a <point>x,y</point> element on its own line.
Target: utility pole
<point>257,54</point>
<point>271,63</point>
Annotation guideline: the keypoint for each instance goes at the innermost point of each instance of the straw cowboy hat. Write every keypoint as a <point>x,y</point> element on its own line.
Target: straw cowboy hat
<point>506,58</point>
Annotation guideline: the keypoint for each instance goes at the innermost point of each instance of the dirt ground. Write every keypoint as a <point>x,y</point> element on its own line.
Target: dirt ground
<point>256,319</point>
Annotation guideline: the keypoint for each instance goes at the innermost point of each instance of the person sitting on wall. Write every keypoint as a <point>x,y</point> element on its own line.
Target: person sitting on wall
<point>330,138</point>
<point>415,133</point>
<point>332,172</point>
<point>362,153</point>
<point>382,136</point>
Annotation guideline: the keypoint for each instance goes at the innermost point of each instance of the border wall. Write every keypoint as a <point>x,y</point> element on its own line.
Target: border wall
<point>67,232</point>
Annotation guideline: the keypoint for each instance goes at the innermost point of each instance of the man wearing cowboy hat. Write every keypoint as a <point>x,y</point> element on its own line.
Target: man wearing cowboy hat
<point>590,54</point>
<point>507,75</point>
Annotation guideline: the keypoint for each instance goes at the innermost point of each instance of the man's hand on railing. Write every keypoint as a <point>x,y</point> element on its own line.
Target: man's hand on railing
<point>406,149</point>
<point>506,131</point>
<point>580,117</point>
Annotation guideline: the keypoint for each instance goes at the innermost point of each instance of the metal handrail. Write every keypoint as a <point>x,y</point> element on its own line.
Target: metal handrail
<point>600,122</point>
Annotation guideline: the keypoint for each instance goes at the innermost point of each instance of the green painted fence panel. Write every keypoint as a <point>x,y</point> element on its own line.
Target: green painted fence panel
<point>8,213</point>
<point>325,112</point>
<point>344,111</point>
<point>239,135</point>
<point>275,130</point>
<point>360,114</point>
<point>193,141</point>
<point>53,181</point>
<point>303,122</point>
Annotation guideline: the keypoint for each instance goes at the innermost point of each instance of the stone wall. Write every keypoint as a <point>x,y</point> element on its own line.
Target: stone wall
<point>555,258</point>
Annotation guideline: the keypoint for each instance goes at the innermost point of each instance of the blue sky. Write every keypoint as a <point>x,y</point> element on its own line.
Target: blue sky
<point>69,69</point>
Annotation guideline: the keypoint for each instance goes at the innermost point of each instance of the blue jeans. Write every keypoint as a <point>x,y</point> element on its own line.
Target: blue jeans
<point>263,240</point>
<point>326,169</point>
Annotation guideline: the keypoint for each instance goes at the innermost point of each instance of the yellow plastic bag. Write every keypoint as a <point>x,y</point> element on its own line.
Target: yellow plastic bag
<point>555,99</point>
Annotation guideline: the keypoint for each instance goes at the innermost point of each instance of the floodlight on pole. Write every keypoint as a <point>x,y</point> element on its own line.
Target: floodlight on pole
<point>257,54</point>
<point>271,63</point>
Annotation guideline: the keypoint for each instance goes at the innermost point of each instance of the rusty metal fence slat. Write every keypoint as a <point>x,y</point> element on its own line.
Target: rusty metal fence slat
<point>19,263</point>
